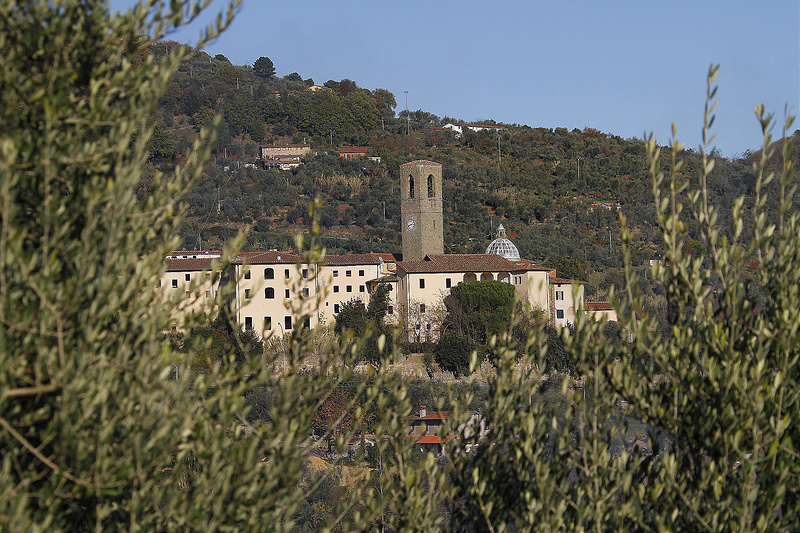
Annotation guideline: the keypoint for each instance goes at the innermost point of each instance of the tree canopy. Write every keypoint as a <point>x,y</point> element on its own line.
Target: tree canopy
<point>263,67</point>
<point>479,309</point>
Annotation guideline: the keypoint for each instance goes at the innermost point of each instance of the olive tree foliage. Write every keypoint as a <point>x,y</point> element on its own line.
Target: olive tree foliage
<point>97,430</point>
<point>690,429</point>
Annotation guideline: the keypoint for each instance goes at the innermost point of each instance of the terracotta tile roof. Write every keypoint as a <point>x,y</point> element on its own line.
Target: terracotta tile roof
<point>599,306</point>
<point>190,253</point>
<point>431,415</point>
<point>285,146</point>
<point>421,162</point>
<point>188,265</point>
<point>281,257</point>
<point>387,258</point>
<point>352,259</point>
<point>353,150</point>
<point>458,263</point>
<point>384,279</point>
<point>524,264</point>
<point>268,258</point>
<point>431,439</point>
<point>564,281</point>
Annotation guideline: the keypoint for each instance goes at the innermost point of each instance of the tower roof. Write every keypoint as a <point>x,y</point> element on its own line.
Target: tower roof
<point>422,162</point>
<point>503,247</point>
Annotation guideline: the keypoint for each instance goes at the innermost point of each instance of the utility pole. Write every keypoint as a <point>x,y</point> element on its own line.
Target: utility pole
<point>408,118</point>
<point>499,155</point>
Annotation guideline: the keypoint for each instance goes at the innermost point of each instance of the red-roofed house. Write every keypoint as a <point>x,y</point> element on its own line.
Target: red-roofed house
<point>430,429</point>
<point>353,152</point>
<point>600,310</point>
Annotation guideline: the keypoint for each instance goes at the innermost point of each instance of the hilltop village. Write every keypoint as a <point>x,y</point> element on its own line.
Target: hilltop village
<point>284,141</point>
<point>268,282</point>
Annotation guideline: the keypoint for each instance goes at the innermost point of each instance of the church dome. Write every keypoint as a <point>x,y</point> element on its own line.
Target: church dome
<point>503,247</point>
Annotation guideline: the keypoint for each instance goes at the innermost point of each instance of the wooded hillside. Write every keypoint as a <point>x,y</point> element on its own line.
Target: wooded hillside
<point>559,193</point>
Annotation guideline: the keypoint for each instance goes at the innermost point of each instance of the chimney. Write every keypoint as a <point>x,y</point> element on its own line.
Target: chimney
<point>423,411</point>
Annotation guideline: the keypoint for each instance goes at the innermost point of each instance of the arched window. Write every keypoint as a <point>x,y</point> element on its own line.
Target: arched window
<point>431,192</point>
<point>269,273</point>
<point>269,293</point>
<point>411,186</point>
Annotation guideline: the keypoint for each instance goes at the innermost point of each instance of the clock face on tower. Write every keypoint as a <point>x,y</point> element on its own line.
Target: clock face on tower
<point>411,224</point>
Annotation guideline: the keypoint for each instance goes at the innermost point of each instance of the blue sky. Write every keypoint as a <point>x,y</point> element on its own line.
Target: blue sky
<point>626,67</point>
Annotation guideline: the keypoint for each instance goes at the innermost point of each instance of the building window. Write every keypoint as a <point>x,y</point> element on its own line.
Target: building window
<point>159,282</point>
<point>286,273</point>
<point>349,288</point>
<point>286,294</point>
<point>559,313</point>
<point>421,308</point>
<point>348,273</point>
<point>269,293</point>
<point>448,283</point>
<point>428,326</point>
<point>248,323</point>
<point>247,294</point>
<point>335,288</point>
<point>360,272</point>
<point>559,295</point>
<point>390,310</point>
<point>305,273</point>
<point>430,186</point>
<point>305,292</point>
<point>335,273</point>
<point>269,273</point>
<point>174,283</point>
<point>267,322</point>
<point>336,308</point>
<point>287,323</point>
<point>187,277</point>
<point>361,288</point>
<point>411,186</point>
<point>421,283</point>
<point>246,274</point>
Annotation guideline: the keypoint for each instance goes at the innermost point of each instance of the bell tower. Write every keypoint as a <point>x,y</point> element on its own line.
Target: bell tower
<point>421,209</point>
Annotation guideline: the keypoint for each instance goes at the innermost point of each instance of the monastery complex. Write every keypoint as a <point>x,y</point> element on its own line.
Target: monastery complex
<point>272,286</point>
